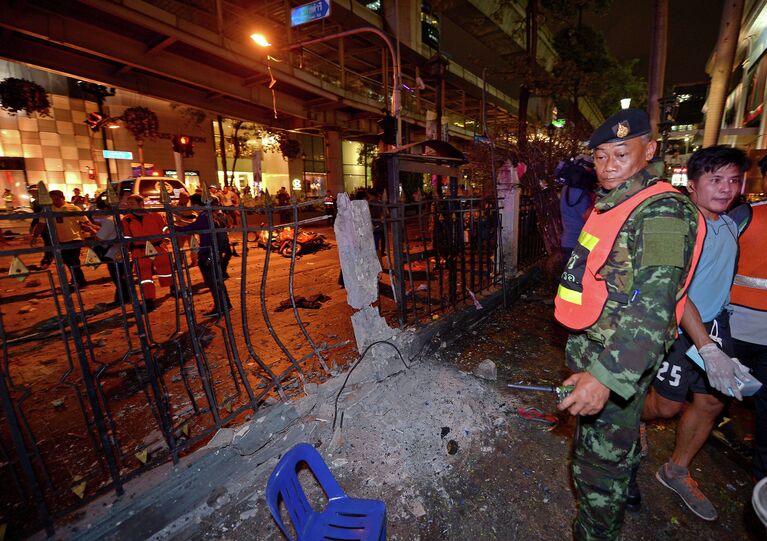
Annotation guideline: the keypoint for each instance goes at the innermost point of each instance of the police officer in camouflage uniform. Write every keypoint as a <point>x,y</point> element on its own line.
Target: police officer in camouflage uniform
<point>615,359</point>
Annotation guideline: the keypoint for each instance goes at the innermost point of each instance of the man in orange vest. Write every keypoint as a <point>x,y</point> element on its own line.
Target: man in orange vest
<point>748,302</point>
<point>622,292</point>
<point>144,224</point>
<point>715,178</point>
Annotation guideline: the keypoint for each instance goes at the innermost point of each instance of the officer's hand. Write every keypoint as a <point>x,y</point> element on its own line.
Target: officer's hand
<point>588,397</point>
<point>722,370</point>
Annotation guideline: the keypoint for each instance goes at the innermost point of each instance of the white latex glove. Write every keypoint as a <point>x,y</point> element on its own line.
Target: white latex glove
<point>722,370</point>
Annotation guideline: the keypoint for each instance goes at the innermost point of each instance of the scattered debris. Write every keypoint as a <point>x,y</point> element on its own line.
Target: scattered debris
<point>314,302</point>
<point>452,447</point>
<point>486,370</point>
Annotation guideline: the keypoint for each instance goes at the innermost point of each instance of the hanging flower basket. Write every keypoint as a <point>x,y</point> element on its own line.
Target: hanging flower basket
<point>22,95</point>
<point>141,122</point>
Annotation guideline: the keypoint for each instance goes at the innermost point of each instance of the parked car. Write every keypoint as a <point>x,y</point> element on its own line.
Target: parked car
<point>149,187</point>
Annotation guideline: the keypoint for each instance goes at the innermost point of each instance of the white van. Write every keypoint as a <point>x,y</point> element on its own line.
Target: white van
<point>149,187</point>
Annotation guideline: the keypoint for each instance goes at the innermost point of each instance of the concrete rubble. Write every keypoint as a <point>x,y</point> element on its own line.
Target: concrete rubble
<point>391,442</point>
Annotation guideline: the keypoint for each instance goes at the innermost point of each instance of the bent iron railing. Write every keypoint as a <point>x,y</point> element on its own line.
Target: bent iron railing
<point>448,251</point>
<point>94,392</point>
<point>532,247</point>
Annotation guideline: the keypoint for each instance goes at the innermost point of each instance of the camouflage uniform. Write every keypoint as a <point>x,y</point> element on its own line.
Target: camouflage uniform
<point>623,349</point>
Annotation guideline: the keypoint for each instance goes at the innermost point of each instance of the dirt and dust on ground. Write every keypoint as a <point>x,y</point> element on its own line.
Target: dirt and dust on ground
<point>457,457</point>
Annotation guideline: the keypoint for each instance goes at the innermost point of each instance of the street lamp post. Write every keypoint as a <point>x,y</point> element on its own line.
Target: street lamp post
<point>550,129</point>
<point>261,40</point>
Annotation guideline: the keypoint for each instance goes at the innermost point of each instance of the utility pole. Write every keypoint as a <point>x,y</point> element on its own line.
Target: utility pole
<point>99,93</point>
<point>531,46</point>
<point>724,55</point>
<point>657,62</point>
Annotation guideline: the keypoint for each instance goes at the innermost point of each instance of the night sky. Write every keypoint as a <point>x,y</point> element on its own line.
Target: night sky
<point>693,29</point>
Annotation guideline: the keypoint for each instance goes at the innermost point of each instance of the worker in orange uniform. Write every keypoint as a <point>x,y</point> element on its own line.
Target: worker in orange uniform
<point>144,224</point>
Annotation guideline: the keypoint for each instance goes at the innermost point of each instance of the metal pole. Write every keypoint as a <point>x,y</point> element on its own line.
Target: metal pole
<point>396,76</point>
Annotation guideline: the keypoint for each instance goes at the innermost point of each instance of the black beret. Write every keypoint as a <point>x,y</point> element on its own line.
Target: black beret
<point>622,126</point>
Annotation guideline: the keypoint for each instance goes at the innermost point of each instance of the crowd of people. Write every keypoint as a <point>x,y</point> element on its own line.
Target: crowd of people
<point>666,297</point>
<point>150,253</point>
<point>150,260</point>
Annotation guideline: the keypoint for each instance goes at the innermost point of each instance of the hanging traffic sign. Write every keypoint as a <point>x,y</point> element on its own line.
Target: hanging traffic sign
<point>313,11</point>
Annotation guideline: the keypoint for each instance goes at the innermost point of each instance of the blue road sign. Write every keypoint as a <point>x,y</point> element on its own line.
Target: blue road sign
<point>313,11</point>
<point>117,154</point>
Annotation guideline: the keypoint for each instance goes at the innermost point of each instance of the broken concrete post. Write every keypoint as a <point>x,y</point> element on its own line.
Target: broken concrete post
<point>360,267</point>
<point>509,191</point>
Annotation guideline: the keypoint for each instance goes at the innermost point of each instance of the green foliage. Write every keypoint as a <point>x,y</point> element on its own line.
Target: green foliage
<point>619,82</point>
<point>583,47</point>
<point>191,115</point>
<point>366,154</point>
<point>290,148</point>
<point>22,95</point>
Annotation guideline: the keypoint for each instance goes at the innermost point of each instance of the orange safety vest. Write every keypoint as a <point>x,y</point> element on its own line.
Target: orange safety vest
<point>152,223</point>
<point>749,288</point>
<point>582,292</point>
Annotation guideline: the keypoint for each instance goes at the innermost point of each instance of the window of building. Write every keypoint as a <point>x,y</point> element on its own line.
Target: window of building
<point>429,26</point>
<point>313,147</point>
<point>376,6</point>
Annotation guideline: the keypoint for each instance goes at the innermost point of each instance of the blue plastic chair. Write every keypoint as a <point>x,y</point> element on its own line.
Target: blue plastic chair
<point>344,518</point>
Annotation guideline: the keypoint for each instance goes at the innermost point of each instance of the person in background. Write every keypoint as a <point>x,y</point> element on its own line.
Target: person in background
<point>377,216</point>
<point>715,176</point>
<point>748,321</point>
<point>137,223</point>
<point>45,262</point>
<point>330,206</point>
<point>576,200</point>
<point>283,199</point>
<point>8,199</point>
<point>206,259</point>
<point>185,216</point>
<point>109,252</point>
<point>69,231</point>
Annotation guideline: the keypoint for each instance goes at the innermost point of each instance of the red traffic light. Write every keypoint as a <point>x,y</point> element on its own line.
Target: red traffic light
<point>95,120</point>
<point>183,145</point>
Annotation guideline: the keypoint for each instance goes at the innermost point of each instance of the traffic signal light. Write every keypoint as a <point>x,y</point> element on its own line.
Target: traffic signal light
<point>183,145</point>
<point>95,120</point>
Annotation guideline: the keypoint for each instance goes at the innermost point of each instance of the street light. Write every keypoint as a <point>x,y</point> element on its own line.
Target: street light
<point>625,103</point>
<point>550,129</point>
<point>262,41</point>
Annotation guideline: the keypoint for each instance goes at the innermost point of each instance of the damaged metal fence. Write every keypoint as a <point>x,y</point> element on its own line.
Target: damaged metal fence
<point>532,247</point>
<point>440,254</point>
<point>98,383</point>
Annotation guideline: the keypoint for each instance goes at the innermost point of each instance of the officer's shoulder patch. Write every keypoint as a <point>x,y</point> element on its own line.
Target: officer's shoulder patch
<point>663,241</point>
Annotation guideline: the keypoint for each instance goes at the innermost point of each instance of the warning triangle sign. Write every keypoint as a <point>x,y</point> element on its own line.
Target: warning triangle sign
<point>194,244</point>
<point>18,269</point>
<point>150,250</point>
<point>91,259</point>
